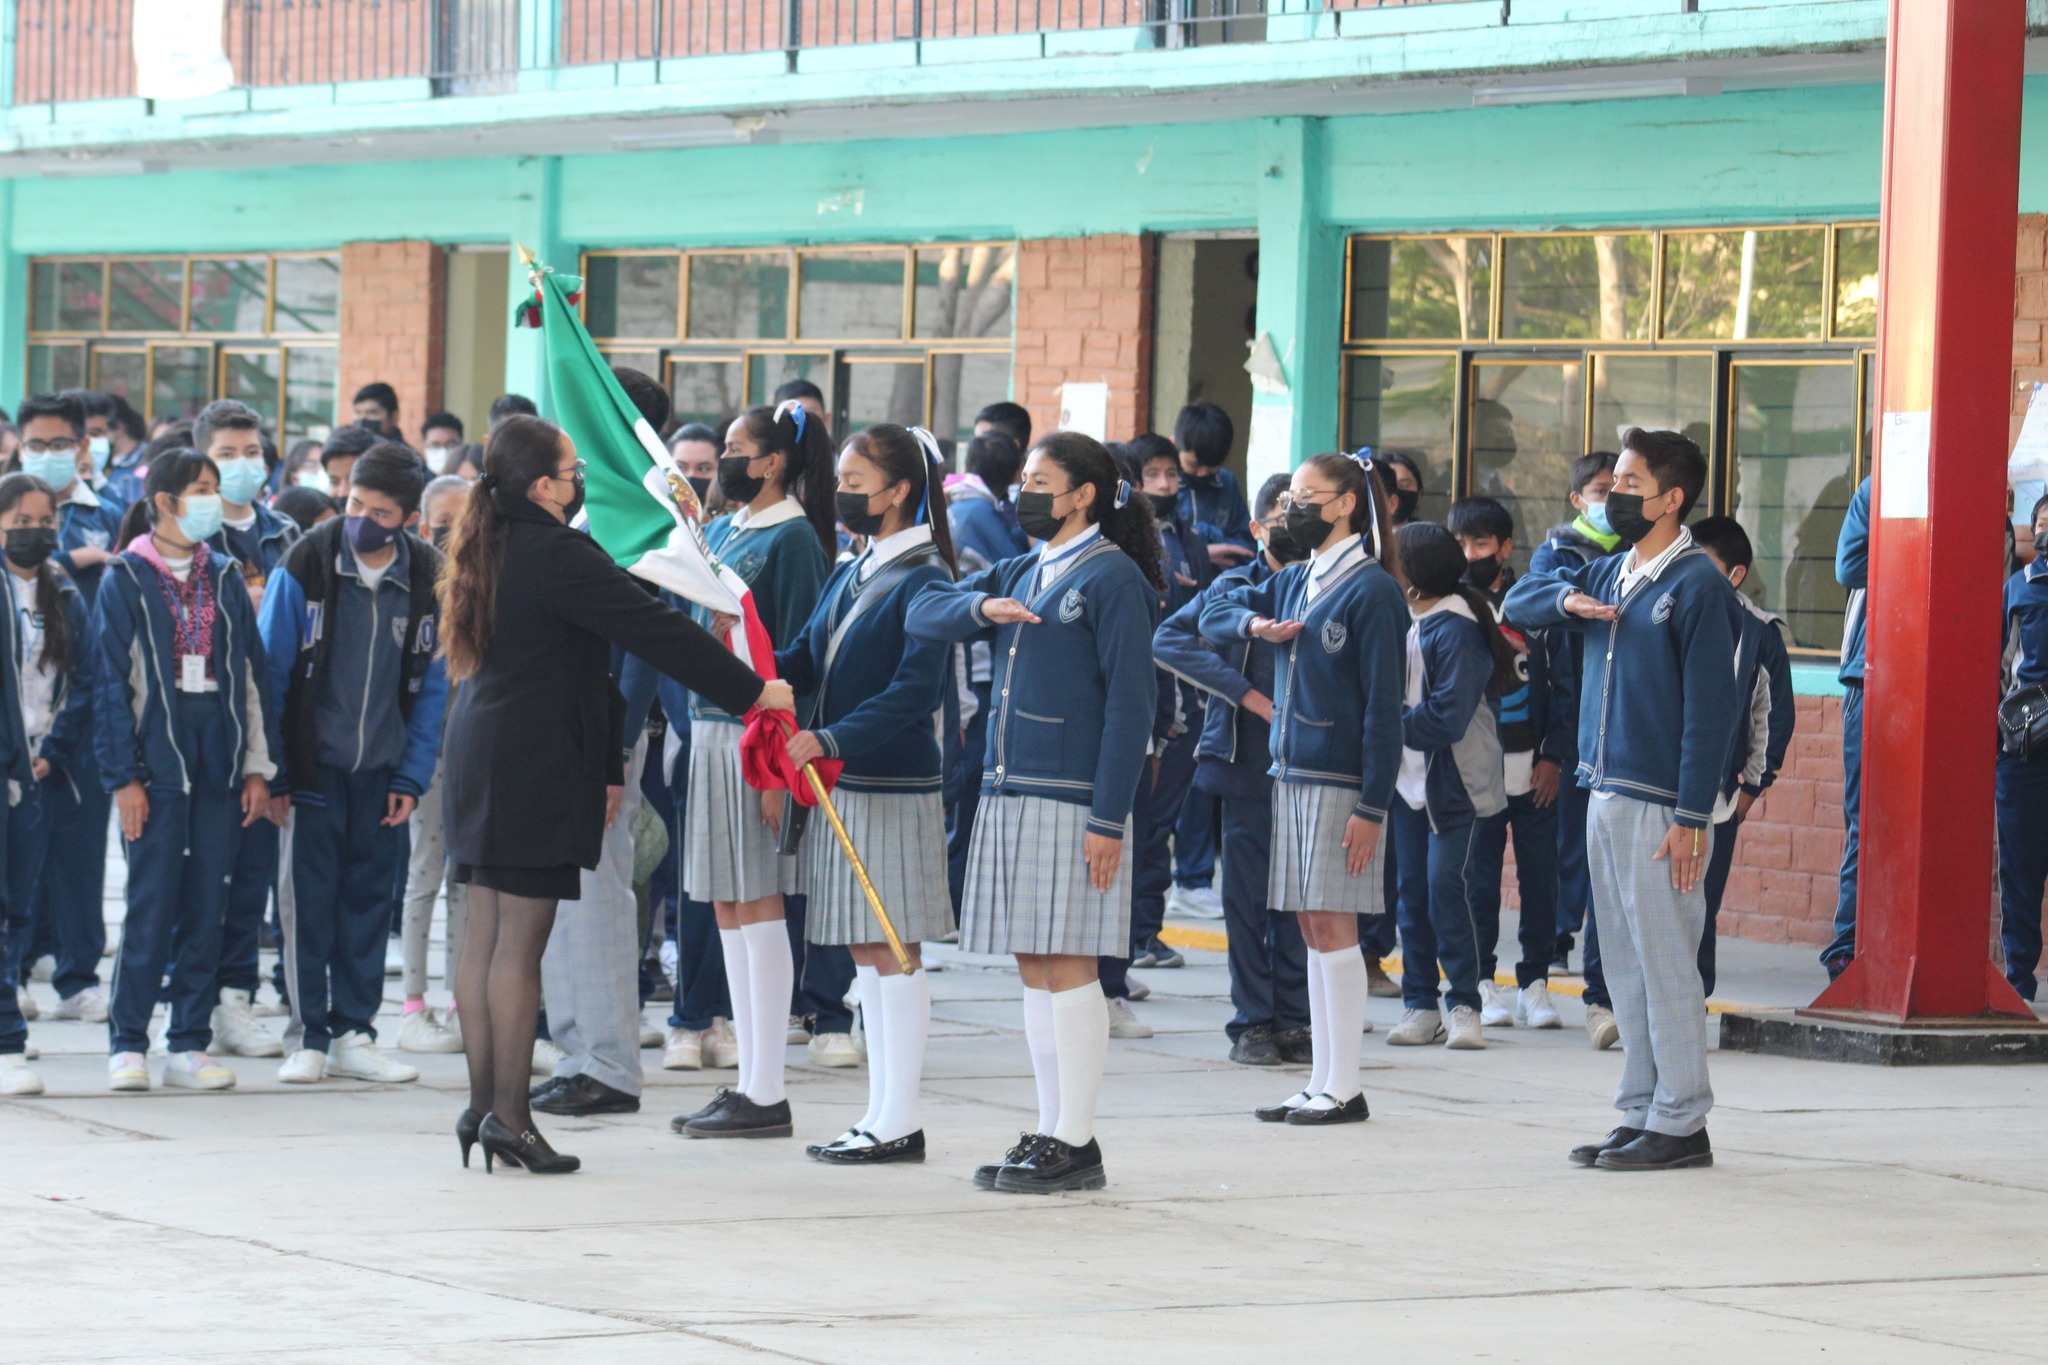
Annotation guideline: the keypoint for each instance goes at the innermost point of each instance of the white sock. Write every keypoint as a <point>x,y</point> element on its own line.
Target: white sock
<point>907,1001</point>
<point>867,984</point>
<point>1080,1028</point>
<point>1045,1063</point>
<point>734,945</point>
<point>771,974</point>
<point>1318,1027</point>
<point>1344,997</point>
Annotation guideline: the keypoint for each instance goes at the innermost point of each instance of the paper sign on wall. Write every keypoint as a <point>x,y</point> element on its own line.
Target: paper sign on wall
<point>1902,445</point>
<point>2026,473</point>
<point>178,52</point>
<point>1269,450</point>
<point>1085,408</point>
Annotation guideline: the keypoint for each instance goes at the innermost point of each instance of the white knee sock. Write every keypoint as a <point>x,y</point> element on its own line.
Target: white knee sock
<point>1318,1027</point>
<point>770,975</point>
<point>733,944</point>
<point>867,984</point>
<point>907,1003</point>
<point>1344,997</point>
<point>1045,1064</point>
<point>1080,1027</point>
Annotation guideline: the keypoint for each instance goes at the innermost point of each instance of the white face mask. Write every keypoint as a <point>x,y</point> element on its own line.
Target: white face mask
<point>315,479</point>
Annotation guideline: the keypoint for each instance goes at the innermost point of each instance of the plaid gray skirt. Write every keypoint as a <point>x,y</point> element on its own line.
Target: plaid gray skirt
<point>901,837</point>
<point>1027,883</point>
<point>728,854</point>
<point>1308,853</point>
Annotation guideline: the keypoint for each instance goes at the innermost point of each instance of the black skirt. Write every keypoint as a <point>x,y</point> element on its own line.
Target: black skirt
<point>564,883</point>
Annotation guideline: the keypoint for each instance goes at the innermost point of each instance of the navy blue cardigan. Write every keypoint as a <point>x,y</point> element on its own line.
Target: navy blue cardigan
<point>785,569</point>
<point>1338,684</point>
<point>1659,701</point>
<point>1072,696</point>
<point>1230,734</point>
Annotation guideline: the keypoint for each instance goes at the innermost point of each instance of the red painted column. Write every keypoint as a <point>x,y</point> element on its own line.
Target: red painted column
<point>1950,219</point>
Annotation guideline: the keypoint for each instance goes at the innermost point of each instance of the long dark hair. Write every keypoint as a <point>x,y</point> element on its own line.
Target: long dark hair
<point>902,458</point>
<point>807,473</point>
<point>1435,564</point>
<point>522,450</point>
<point>170,473</point>
<point>1130,526</point>
<point>1371,518</point>
<point>49,579</point>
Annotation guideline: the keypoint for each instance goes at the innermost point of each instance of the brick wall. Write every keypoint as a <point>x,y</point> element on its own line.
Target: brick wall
<point>1084,313</point>
<point>2029,314</point>
<point>1783,886</point>
<point>393,302</point>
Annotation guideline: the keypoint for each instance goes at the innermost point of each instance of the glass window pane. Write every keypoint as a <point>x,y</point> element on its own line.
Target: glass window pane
<point>181,380</point>
<point>65,296</point>
<point>707,391</point>
<point>1856,269</point>
<point>631,296</point>
<point>885,391</point>
<point>1793,445</point>
<point>1527,428</point>
<point>1596,287</point>
<point>230,296</point>
<point>308,294</point>
<point>743,296</point>
<point>1659,392</point>
<point>55,367</point>
<point>647,362</point>
<point>1744,286</point>
<point>768,371</point>
<point>1407,403</point>
<point>251,377</point>
<point>146,296</point>
<point>124,374</point>
<point>1421,288</point>
<point>309,378</point>
<point>850,295</point>
<point>964,291</point>
<point>963,385</point>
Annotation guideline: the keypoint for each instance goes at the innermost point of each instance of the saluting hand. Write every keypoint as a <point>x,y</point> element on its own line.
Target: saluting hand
<point>1274,632</point>
<point>1588,607</point>
<point>1005,611</point>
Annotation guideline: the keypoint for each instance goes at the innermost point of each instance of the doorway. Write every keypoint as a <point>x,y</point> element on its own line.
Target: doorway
<point>473,355</point>
<point>1206,315</point>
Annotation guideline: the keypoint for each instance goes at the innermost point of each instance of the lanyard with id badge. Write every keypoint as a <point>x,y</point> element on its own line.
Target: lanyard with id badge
<point>191,604</point>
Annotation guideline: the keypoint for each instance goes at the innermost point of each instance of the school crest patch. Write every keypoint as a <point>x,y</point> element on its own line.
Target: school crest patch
<point>1072,605</point>
<point>1334,636</point>
<point>427,636</point>
<point>398,625</point>
<point>1662,611</point>
<point>98,539</point>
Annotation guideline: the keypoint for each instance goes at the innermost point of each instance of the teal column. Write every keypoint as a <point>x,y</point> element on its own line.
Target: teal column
<point>1300,306</point>
<point>13,304</point>
<point>537,226</point>
<point>9,17</point>
<point>540,32</point>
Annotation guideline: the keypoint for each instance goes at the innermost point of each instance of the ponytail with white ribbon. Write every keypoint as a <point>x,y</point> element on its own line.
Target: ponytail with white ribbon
<point>935,461</point>
<point>1362,457</point>
<point>1123,494</point>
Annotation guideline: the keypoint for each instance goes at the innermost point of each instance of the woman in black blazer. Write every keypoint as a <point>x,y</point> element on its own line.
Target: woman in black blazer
<point>530,610</point>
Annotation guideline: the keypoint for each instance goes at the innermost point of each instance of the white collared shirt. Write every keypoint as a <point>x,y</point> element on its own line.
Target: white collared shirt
<point>1325,564</point>
<point>789,509</point>
<point>880,552</point>
<point>38,681</point>
<point>1633,573</point>
<point>1054,562</point>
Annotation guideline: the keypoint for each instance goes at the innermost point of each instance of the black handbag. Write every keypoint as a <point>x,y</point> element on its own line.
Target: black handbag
<point>2023,722</point>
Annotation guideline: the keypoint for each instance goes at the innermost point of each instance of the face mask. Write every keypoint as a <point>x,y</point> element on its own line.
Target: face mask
<point>1596,516</point>
<point>368,536</point>
<point>102,448</point>
<point>201,518</point>
<point>855,516</point>
<point>1625,516</point>
<point>439,535</point>
<point>1282,545</point>
<point>57,468</point>
<point>1406,500</point>
<point>699,485</point>
<point>1306,525</point>
<point>1205,482</point>
<point>1036,516</point>
<point>1164,505</point>
<point>739,485</point>
<point>241,480</point>
<point>436,455</point>
<point>1482,574</point>
<point>315,479</point>
<point>29,546</point>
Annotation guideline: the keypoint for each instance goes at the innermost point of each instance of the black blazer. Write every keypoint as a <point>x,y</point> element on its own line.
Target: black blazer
<point>532,736</point>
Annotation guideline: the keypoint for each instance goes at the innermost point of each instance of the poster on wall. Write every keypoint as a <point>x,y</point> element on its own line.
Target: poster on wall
<point>1084,408</point>
<point>179,51</point>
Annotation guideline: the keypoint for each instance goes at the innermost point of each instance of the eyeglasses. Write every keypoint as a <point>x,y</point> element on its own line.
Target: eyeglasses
<point>572,471</point>
<point>50,447</point>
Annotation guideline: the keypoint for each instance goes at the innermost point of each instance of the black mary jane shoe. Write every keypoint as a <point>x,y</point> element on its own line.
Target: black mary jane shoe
<point>1660,1152</point>
<point>1589,1154</point>
<point>985,1176</point>
<point>723,1099</point>
<point>582,1096</point>
<point>528,1150</point>
<point>465,1132</point>
<point>1352,1110</point>
<point>1277,1113</point>
<point>743,1118</point>
<point>861,1149</point>
<point>1055,1167</point>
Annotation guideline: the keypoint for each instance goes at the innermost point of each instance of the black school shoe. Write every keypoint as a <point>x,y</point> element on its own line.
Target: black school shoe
<point>1590,1153</point>
<point>720,1101</point>
<point>1027,1143</point>
<point>547,1089</point>
<point>1297,1047</point>
<point>1660,1152</point>
<point>742,1118</point>
<point>1277,1113</point>
<point>1255,1047</point>
<point>1054,1168</point>
<point>583,1095</point>
<point>1352,1110</point>
<point>851,1151</point>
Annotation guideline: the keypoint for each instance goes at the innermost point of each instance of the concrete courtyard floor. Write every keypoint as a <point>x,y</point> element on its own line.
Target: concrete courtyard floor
<point>1854,1213</point>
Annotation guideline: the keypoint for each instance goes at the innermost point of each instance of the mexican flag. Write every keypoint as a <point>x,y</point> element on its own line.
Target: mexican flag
<point>640,508</point>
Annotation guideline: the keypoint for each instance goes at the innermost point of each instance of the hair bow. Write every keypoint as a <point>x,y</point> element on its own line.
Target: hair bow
<point>1123,493</point>
<point>934,459</point>
<point>795,409</point>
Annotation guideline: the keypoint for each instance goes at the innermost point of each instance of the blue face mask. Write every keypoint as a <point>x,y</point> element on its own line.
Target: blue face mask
<point>57,468</point>
<point>241,480</point>
<point>1596,517</point>
<point>201,518</point>
<point>102,448</point>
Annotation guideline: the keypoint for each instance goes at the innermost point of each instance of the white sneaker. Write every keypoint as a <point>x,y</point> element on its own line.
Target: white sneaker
<point>833,1049</point>
<point>1465,1034</point>
<point>30,1052</point>
<point>127,1071</point>
<point>16,1078</point>
<point>428,1030</point>
<point>270,1009</point>
<point>26,1003</point>
<point>394,957</point>
<point>545,1055</point>
<point>235,1030</point>
<point>1125,1023</point>
<point>682,1049</point>
<point>355,1056</point>
<point>304,1067</point>
<point>1417,1028</point>
<point>45,967</point>
<point>721,1046</point>
<point>1601,1028</point>
<point>1496,1005</point>
<point>799,1031</point>
<point>196,1071</point>
<point>1534,1008</point>
<point>89,1004</point>
<point>1196,902</point>
<point>650,1036</point>
<point>1138,989</point>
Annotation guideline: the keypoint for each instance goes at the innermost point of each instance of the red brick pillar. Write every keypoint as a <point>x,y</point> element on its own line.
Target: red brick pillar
<point>393,301</point>
<point>1084,314</point>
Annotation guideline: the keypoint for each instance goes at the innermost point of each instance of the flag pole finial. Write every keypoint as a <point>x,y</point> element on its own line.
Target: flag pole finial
<point>525,255</point>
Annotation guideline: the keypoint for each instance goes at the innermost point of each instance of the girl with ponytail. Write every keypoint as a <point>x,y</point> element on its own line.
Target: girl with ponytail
<point>1070,626</point>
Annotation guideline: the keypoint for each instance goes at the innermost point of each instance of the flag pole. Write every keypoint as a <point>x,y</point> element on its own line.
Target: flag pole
<point>860,869</point>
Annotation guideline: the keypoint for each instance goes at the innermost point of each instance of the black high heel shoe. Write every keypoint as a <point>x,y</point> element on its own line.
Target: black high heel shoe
<point>528,1149</point>
<point>465,1132</point>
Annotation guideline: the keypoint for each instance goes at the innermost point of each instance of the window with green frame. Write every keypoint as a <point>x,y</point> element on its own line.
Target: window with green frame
<point>172,333</point>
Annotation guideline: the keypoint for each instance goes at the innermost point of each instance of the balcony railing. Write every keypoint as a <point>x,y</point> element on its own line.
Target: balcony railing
<point>68,50</point>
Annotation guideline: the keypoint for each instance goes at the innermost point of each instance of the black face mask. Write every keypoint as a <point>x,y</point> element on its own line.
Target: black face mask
<point>575,503</point>
<point>1406,500</point>
<point>439,535</point>
<point>1036,517</point>
<point>29,546</point>
<point>1164,505</point>
<point>1282,545</point>
<point>699,485</point>
<point>739,486</point>
<point>855,516</point>
<point>1306,525</point>
<point>1482,574</point>
<point>1625,516</point>
<point>1205,482</point>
